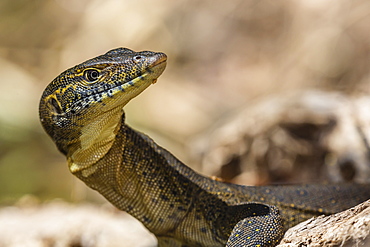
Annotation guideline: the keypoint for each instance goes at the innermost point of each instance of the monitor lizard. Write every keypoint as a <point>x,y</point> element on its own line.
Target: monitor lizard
<point>82,111</point>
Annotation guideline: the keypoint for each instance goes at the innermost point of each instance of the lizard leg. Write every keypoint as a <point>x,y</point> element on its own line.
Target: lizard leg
<point>264,229</point>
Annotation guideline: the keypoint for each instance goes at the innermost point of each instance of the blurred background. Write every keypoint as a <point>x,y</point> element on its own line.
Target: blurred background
<point>223,57</point>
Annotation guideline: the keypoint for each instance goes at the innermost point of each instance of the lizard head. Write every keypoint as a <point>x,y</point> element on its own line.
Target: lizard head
<point>82,107</point>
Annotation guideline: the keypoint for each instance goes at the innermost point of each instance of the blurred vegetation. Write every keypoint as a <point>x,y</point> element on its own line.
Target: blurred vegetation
<point>221,54</point>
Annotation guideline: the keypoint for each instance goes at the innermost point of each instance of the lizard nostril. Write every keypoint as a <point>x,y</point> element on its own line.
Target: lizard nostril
<point>138,58</point>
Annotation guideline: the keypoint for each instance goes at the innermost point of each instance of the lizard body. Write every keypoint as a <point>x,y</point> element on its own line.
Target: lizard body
<point>81,110</point>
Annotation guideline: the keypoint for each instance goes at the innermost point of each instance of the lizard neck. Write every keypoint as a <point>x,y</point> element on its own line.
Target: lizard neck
<point>145,180</point>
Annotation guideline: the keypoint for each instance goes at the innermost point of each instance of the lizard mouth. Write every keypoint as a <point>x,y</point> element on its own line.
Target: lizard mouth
<point>157,66</point>
<point>161,61</point>
<point>162,64</point>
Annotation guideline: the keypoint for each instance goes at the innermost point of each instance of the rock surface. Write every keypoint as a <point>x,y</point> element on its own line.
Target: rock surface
<point>347,228</point>
<point>60,224</point>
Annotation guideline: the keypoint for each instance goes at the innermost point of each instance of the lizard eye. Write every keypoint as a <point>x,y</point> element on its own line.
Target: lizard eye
<point>91,75</point>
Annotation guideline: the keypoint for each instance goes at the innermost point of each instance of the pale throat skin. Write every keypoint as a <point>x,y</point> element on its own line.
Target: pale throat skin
<point>82,111</point>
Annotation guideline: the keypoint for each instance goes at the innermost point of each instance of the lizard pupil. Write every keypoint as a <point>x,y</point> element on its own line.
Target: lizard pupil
<point>91,75</point>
